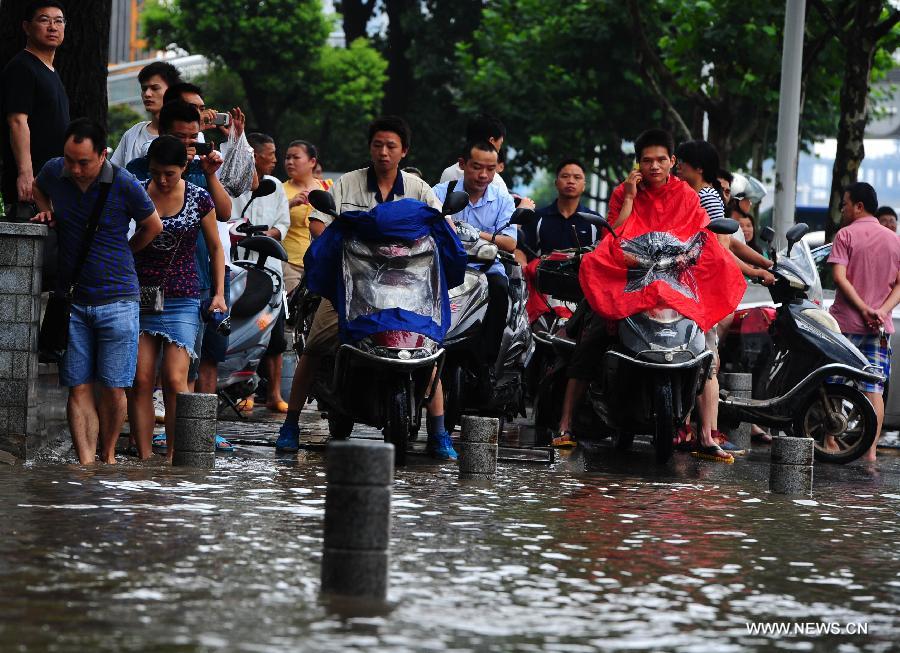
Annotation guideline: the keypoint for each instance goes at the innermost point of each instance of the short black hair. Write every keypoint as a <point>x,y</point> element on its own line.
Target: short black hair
<point>170,74</point>
<point>257,140</point>
<point>311,150</point>
<point>32,8</point>
<point>82,128</point>
<point>885,210</point>
<point>484,146</point>
<point>177,90</point>
<point>727,176</point>
<point>651,138</point>
<point>394,124</point>
<point>168,151</point>
<point>177,110</point>
<point>413,170</point>
<point>863,192</point>
<point>484,127</point>
<point>569,162</point>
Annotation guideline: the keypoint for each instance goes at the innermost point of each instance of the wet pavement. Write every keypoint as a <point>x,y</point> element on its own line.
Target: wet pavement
<point>593,552</point>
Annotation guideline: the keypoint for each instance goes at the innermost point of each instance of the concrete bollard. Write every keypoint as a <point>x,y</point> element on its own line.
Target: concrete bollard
<point>356,556</point>
<point>195,430</point>
<point>791,466</point>
<point>478,447</point>
<point>739,385</point>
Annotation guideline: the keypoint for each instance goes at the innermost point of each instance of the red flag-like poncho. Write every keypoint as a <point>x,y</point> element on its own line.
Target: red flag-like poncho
<point>705,284</point>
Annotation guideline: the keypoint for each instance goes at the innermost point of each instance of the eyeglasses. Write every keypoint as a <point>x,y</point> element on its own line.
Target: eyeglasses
<point>46,21</point>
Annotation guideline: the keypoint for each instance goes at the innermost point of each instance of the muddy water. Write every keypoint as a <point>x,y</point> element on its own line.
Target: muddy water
<point>570,558</point>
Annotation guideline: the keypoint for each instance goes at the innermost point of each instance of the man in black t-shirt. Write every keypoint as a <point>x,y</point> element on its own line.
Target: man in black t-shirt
<point>553,228</point>
<point>35,107</point>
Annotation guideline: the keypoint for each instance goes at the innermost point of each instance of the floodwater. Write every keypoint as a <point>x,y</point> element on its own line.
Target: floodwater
<point>589,554</point>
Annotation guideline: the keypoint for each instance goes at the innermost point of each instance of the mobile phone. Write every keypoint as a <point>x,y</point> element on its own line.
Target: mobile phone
<point>222,119</point>
<point>636,166</point>
<point>203,148</point>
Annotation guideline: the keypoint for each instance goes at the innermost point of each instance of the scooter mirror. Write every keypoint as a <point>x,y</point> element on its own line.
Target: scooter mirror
<point>794,234</point>
<point>455,202</point>
<point>767,234</point>
<point>265,187</point>
<point>597,221</point>
<point>322,201</point>
<point>724,226</point>
<point>523,216</point>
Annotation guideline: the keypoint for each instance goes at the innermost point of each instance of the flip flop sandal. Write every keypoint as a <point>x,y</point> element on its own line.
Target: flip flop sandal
<point>684,438</point>
<point>761,436</point>
<point>564,439</point>
<point>713,453</point>
<point>223,445</point>
<point>159,441</point>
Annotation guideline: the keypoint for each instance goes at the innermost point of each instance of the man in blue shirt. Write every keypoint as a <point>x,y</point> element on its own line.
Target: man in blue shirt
<point>489,209</point>
<point>553,229</point>
<point>103,329</point>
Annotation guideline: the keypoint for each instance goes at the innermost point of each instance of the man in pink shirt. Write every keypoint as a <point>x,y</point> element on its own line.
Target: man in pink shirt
<point>866,267</point>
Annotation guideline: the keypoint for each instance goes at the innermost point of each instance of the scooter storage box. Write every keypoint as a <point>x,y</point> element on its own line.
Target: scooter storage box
<point>557,276</point>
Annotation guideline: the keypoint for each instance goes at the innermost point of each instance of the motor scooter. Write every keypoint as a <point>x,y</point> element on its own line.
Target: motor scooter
<point>656,364</point>
<point>257,293</point>
<point>384,379</point>
<point>471,384</point>
<point>795,389</point>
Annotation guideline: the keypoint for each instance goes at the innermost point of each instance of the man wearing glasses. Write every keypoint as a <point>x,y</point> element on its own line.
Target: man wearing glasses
<point>35,107</point>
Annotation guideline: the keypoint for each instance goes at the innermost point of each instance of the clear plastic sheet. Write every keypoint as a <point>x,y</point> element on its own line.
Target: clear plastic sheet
<point>660,256</point>
<point>379,276</point>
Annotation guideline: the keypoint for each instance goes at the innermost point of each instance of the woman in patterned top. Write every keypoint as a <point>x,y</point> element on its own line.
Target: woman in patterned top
<point>169,262</point>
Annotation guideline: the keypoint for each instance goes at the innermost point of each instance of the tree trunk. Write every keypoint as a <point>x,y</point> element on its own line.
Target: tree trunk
<point>82,58</point>
<point>355,15</point>
<point>859,47</point>
<point>400,85</point>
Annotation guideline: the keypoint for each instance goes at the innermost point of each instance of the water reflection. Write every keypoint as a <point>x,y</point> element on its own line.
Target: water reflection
<point>577,557</point>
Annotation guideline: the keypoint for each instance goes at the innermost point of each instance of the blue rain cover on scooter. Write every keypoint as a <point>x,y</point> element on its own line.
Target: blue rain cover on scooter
<point>403,220</point>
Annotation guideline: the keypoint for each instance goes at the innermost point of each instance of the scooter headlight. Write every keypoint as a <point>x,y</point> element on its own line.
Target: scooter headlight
<point>663,315</point>
<point>487,252</point>
<point>822,318</point>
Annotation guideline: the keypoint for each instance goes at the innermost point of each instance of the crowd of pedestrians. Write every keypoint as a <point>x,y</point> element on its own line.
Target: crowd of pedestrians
<point>144,243</point>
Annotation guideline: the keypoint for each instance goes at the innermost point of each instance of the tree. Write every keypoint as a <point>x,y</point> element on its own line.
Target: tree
<point>81,60</point>
<point>863,28</point>
<point>294,84</point>
<point>271,45</point>
<point>356,15</point>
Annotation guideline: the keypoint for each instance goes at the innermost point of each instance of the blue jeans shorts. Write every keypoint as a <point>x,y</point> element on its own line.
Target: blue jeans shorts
<point>103,344</point>
<point>178,323</point>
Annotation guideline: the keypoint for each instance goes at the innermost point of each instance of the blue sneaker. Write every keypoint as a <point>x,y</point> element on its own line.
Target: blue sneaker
<point>440,446</point>
<point>288,438</point>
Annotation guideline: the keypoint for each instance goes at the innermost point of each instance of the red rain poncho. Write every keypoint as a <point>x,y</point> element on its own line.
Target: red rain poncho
<point>705,285</point>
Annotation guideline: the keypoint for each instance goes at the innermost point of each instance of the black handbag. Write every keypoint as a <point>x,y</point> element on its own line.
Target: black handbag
<point>53,339</point>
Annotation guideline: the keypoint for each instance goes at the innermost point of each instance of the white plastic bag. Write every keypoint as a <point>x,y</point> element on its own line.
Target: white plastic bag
<point>236,173</point>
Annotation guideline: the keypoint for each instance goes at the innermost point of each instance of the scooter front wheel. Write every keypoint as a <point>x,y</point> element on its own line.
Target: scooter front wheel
<point>397,429</point>
<point>665,421</point>
<point>843,413</point>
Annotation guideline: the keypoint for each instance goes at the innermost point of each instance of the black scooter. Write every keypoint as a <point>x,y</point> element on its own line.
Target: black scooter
<point>795,391</point>
<point>384,379</point>
<point>651,374</point>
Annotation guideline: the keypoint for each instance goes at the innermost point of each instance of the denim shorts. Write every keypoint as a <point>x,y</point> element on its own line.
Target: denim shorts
<point>103,344</point>
<point>178,323</point>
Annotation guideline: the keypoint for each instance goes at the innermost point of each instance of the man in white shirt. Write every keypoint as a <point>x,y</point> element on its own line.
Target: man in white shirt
<point>272,211</point>
<point>155,79</point>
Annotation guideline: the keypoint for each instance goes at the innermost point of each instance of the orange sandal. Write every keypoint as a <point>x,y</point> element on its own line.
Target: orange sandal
<point>564,439</point>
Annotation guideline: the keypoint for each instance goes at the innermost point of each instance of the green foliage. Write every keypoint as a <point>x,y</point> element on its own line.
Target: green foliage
<point>120,118</point>
<point>272,57</point>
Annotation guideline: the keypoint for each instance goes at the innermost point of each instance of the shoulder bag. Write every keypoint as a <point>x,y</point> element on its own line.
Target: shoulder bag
<point>153,298</point>
<point>53,339</point>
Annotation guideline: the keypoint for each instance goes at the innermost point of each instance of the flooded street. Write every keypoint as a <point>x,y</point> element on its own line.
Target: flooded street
<point>593,553</point>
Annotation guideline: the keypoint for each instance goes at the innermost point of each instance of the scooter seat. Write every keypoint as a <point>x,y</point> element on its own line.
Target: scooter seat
<point>257,293</point>
<point>265,247</point>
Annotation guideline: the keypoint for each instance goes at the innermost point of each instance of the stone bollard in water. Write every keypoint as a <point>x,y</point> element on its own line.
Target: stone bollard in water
<point>195,430</point>
<point>356,557</point>
<point>739,385</point>
<point>791,466</point>
<point>478,447</point>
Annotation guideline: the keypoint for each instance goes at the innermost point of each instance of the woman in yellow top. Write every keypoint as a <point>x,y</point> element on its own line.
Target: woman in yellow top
<point>300,162</point>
